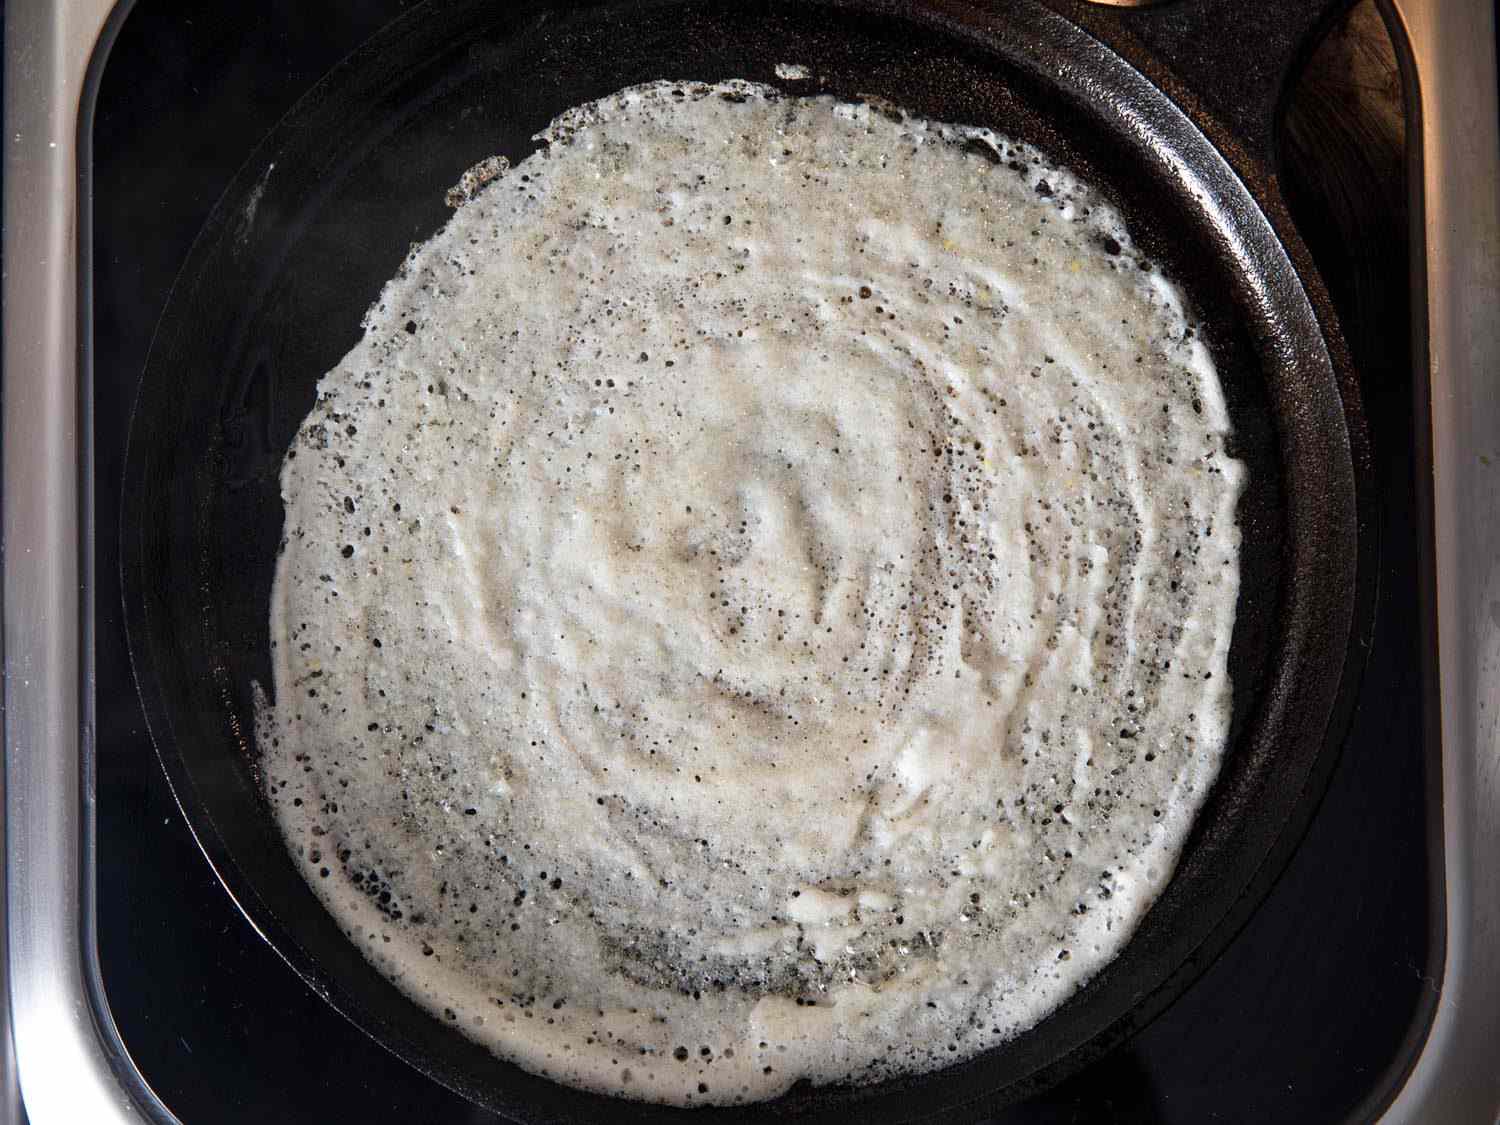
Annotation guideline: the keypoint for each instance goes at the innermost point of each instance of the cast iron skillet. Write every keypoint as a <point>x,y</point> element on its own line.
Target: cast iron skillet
<point>322,214</point>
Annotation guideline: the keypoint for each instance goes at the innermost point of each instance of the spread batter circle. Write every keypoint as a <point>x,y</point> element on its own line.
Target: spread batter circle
<point>755,603</point>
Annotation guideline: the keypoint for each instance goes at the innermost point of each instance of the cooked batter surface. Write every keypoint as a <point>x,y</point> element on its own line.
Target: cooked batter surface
<point>755,602</point>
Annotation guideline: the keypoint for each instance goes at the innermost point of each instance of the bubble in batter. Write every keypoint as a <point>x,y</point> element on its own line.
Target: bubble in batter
<point>755,602</point>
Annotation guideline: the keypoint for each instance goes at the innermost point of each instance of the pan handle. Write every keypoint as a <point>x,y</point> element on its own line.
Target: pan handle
<point>1225,60</point>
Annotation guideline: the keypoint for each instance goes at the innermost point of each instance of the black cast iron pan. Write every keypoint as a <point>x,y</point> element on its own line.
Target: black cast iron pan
<point>323,213</point>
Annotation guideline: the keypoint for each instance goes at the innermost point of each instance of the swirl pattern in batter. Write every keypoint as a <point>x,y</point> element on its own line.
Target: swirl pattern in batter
<point>755,603</point>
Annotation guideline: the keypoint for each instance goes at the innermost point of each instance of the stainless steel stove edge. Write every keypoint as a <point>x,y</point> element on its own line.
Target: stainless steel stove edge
<point>68,1064</point>
<point>1454,146</point>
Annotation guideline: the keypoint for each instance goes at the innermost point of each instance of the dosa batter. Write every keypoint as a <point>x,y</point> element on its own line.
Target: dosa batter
<point>755,603</point>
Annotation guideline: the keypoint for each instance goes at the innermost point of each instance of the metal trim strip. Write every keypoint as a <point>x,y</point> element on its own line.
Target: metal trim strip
<point>1455,154</point>
<point>70,1063</point>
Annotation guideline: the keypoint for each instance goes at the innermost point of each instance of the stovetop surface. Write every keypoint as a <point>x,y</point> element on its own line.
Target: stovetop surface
<point>1306,1017</point>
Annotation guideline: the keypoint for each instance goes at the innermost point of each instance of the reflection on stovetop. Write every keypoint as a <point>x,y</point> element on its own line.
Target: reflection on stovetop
<point>1302,1019</point>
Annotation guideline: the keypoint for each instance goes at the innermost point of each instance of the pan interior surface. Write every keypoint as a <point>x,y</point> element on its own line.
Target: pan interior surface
<point>324,213</point>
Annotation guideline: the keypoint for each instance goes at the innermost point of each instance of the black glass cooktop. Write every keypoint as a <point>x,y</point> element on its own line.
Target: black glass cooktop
<point>1310,1015</point>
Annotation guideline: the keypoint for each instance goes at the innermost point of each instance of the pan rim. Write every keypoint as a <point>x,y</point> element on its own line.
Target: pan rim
<point>159,714</point>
